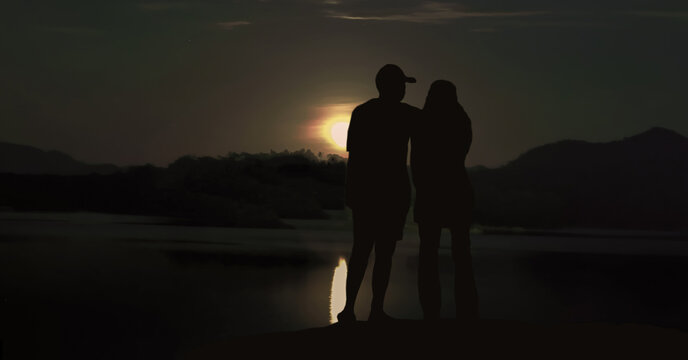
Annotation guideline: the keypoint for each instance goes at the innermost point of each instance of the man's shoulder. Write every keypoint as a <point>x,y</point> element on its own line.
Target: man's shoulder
<point>376,103</point>
<point>372,103</point>
<point>376,108</point>
<point>410,108</point>
<point>411,113</point>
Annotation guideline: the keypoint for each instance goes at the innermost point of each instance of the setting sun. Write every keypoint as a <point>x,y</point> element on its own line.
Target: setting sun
<point>334,128</point>
<point>338,132</point>
<point>329,127</point>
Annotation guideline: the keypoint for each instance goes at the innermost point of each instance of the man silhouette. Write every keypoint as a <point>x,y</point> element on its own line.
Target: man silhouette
<point>378,190</point>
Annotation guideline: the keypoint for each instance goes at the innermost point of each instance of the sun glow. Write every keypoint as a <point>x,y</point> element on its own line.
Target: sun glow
<point>329,127</point>
<point>338,290</point>
<point>333,129</point>
<point>338,132</point>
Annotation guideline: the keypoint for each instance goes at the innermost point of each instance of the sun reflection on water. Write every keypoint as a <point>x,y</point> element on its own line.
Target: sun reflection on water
<point>338,290</point>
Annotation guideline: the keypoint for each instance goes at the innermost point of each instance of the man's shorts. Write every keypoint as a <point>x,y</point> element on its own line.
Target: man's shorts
<point>379,225</point>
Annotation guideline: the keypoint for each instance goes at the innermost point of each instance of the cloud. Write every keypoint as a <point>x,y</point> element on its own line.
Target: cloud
<point>434,12</point>
<point>72,30</point>
<point>485,30</point>
<point>229,25</point>
<point>161,6</point>
<point>662,14</point>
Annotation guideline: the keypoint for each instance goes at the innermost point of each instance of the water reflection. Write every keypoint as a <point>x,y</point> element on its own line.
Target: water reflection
<point>338,290</point>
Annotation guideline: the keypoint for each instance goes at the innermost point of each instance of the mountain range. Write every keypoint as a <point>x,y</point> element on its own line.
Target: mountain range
<point>639,182</point>
<point>24,159</point>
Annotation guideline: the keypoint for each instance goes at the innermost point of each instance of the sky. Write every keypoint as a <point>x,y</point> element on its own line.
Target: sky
<point>135,82</point>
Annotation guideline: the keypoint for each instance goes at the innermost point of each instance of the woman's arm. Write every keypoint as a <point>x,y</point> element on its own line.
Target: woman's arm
<point>469,131</point>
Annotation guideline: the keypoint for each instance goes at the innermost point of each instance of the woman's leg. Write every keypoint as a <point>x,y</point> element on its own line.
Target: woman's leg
<point>465,292</point>
<point>429,290</point>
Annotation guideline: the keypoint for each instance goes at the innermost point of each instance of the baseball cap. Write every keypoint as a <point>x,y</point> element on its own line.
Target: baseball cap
<point>391,72</point>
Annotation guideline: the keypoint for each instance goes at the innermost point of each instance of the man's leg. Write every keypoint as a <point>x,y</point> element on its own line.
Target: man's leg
<point>358,262</point>
<point>429,290</point>
<point>465,292</point>
<point>384,251</point>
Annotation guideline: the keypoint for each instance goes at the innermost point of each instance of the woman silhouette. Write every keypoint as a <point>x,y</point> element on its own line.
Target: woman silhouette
<point>444,198</point>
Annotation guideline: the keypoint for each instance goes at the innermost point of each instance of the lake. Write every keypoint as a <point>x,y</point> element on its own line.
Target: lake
<point>119,286</point>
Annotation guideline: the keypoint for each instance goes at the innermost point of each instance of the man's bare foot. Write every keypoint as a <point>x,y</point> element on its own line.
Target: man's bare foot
<point>346,317</point>
<point>379,316</point>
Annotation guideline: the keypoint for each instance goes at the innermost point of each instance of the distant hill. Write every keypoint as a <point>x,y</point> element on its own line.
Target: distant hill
<point>637,182</point>
<point>241,190</point>
<point>640,182</point>
<point>23,159</point>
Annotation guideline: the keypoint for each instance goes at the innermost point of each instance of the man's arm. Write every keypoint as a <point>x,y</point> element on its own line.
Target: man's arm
<point>351,132</point>
<point>350,166</point>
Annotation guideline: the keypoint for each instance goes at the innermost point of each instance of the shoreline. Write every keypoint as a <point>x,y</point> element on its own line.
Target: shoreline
<point>339,220</point>
<point>485,339</point>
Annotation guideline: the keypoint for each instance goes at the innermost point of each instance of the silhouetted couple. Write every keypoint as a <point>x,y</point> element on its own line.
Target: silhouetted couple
<point>378,191</point>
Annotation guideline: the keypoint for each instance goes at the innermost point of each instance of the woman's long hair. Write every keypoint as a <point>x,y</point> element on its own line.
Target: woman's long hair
<point>446,115</point>
<point>441,97</point>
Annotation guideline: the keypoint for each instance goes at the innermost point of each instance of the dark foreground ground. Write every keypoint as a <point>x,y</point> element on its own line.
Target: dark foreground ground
<point>446,339</point>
